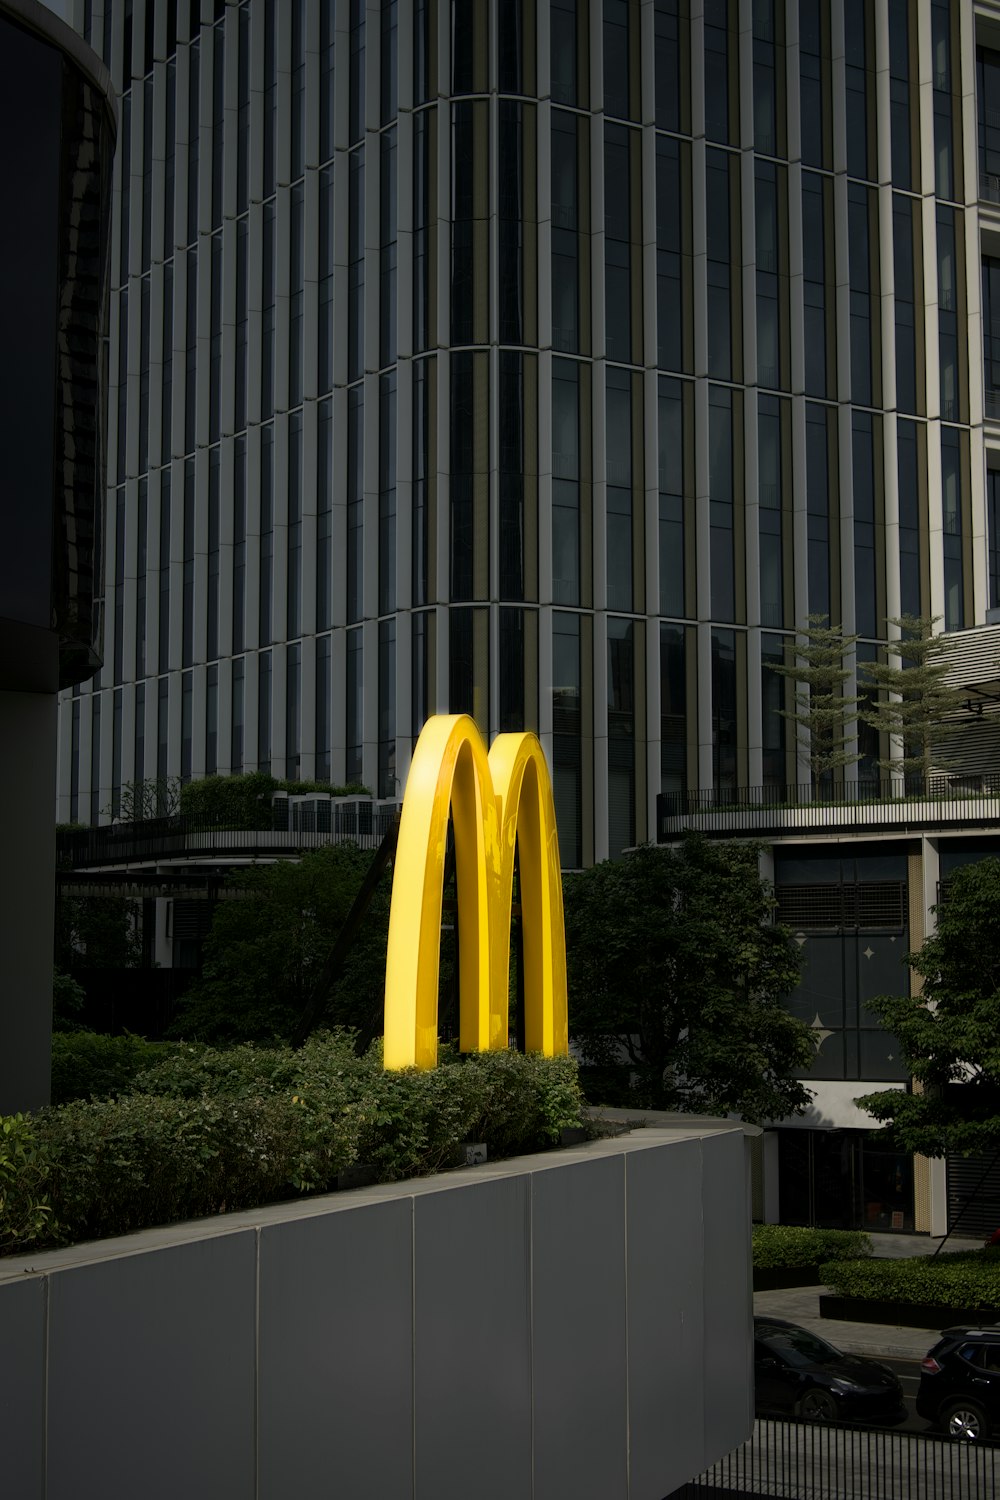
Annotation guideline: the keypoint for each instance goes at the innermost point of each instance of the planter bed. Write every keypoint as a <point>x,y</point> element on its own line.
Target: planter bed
<point>904,1314</point>
<point>776,1278</point>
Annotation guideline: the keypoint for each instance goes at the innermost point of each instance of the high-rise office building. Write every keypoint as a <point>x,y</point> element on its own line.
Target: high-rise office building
<point>553,360</point>
<point>544,359</point>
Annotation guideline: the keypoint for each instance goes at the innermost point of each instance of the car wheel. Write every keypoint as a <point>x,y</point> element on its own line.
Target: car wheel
<point>965,1421</point>
<point>817,1406</point>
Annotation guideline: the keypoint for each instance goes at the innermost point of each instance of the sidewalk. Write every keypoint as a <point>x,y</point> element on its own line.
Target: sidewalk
<point>801,1305</point>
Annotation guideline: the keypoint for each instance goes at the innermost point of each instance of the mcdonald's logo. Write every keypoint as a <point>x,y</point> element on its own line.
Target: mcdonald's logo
<point>495,800</point>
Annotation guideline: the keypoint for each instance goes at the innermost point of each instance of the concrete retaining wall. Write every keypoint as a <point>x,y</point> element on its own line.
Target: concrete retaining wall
<point>574,1324</point>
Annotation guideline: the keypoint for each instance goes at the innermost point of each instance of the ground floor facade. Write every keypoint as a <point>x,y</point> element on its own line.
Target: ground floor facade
<point>856,907</point>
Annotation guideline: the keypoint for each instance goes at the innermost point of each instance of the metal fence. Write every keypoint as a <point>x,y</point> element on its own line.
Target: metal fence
<point>804,1461</point>
<point>875,804</point>
<point>158,839</point>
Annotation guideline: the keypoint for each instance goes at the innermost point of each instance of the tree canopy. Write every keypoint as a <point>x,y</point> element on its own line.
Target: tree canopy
<point>822,712</point>
<point>913,698</point>
<point>949,1034</point>
<point>267,945</point>
<point>676,969</point>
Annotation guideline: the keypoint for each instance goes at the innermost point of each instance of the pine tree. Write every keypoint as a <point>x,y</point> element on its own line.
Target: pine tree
<point>914,699</point>
<point>821,710</point>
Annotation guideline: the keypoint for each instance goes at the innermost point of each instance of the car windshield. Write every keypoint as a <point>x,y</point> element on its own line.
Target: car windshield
<point>797,1347</point>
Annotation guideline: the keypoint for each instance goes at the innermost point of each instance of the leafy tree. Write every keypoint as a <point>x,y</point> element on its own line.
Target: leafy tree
<point>97,932</point>
<point>822,711</point>
<point>949,1034</point>
<point>914,699</point>
<point>155,797</point>
<point>267,946</point>
<point>675,965</point>
<point>68,1000</point>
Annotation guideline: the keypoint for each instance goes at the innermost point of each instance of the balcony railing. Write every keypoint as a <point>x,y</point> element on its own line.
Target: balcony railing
<point>159,840</point>
<point>853,806</point>
<point>989,187</point>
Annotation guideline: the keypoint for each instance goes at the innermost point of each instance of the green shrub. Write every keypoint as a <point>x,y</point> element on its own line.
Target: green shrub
<point>966,1279</point>
<point>244,801</point>
<point>190,1069</point>
<point>89,1065</point>
<point>25,1213</point>
<point>205,1130</point>
<point>230,801</point>
<point>779,1245</point>
<point>121,1165</point>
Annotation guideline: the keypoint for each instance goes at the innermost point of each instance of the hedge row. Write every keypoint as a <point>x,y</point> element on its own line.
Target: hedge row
<point>244,801</point>
<point>207,1131</point>
<point>89,1065</point>
<point>780,1245</point>
<point>965,1279</point>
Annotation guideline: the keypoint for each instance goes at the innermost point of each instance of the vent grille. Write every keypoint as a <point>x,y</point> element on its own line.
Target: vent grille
<point>192,920</point>
<point>973,1195</point>
<point>879,904</point>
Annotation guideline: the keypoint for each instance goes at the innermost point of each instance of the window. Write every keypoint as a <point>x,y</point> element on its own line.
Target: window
<point>720,486</point>
<point>818,508</point>
<point>670,299</point>
<point>951,522</point>
<point>993,528</point>
<point>867,614</point>
<point>673,709</point>
<point>814,64</point>
<point>720,312</point>
<point>948,324</point>
<point>988,119</point>
<point>619,489</point>
<point>814,283</point>
<point>905,302</point>
<point>617,243</point>
<point>621,735</point>
<point>567,724</point>
<point>719,30</point>
<point>565,482</point>
<point>899,93</point>
<point>293,701</point>
<point>565,236</point>
<point>769,499</point>
<point>671,489</point>
<point>908,472</point>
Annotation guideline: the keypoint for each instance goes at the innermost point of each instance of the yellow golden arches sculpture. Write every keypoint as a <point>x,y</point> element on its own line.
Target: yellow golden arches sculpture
<point>495,800</point>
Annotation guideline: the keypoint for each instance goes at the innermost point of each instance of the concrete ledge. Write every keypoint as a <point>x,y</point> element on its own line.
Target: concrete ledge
<point>575,1323</point>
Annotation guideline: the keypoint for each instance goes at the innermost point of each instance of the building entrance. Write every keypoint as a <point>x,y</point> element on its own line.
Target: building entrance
<point>837,1179</point>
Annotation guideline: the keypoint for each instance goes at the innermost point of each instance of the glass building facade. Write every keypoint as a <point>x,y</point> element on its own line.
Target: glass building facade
<point>546,360</point>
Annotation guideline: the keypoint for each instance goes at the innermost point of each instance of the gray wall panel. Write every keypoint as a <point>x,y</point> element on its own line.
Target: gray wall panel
<point>578,1323</point>
<point>472,1367</point>
<point>336,1355</point>
<point>22,1389</point>
<point>151,1374</point>
<point>665,1317</point>
<point>569,1325</point>
<point>728,1343</point>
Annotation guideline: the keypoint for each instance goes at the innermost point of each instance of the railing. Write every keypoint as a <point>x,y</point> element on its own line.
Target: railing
<point>804,1461</point>
<point>853,805</point>
<point>989,187</point>
<point>160,839</point>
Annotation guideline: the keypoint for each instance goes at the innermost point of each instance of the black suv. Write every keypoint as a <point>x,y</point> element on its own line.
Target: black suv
<point>960,1383</point>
